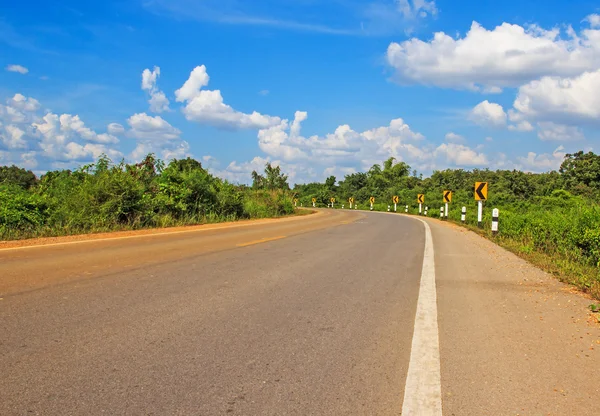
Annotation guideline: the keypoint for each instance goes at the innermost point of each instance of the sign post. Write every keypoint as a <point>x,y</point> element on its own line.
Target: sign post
<point>421,201</point>
<point>447,200</point>
<point>481,194</point>
<point>332,202</point>
<point>351,201</point>
<point>296,202</point>
<point>396,199</point>
<point>314,201</point>
<point>372,201</point>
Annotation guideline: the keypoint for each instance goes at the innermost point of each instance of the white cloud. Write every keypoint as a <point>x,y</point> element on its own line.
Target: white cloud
<point>343,147</point>
<point>191,88</point>
<point>549,131</point>
<point>567,100</point>
<point>534,162</point>
<point>521,126</point>
<point>263,92</point>
<point>460,155</point>
<point>593,20</point>
<point>13,137</point>
<point>488,60</point>
<point>144,126</point>
<point>411,9</point>
<point>158,100</point>
<point>17,68</point>
<point>454,138</point>
<point>69,123</point>
<point>205,106</point>
<point>156,135</point>
<point>115,129</point>
<point>59,136</point>
<point>488,114</point>
<point>489,139</point>
<point>19,101</point>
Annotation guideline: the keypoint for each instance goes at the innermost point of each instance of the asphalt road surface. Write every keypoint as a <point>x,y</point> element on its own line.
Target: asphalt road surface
<point>336,313</point>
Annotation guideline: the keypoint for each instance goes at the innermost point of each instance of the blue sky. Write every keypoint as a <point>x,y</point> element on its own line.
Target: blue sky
<point>320,87</point>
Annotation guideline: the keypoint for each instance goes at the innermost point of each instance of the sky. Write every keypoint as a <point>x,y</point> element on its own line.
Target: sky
<point>319,87</point>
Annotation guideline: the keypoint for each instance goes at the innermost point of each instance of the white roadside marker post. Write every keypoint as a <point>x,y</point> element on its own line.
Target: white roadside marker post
<point>342,206</point>
<point>388,208</point>
<point>406,209</point>
<point>446,211</point>
<point>395,207</point>
<point>442,213</point>
<point>480,214</point>
<point>426,209</point>
<point>355,206</point>
<point>371,206</point>
<point>495,213</point>
<point>463,216</point>
<point>420,209</point>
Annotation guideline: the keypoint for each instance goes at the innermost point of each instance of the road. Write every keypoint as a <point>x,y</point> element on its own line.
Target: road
<point>336,313</point>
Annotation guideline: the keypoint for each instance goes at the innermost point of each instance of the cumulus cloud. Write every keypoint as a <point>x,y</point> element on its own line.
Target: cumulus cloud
<point>158,100</point>
<point>156,135</point>
<point>593,20</point>
<point>115,129</point>
<point>144,126</point>
<point>568,100</point>
<point>60,136</point>
<point>488,114</point>
<point>454,138</point>
<point>460,155</point>
<point>534,162</point>
<point>208,107</point>
<point>17,68</point>
<point>488,60</point>
<point>549,131</point>
<point>343,147</point>
<point>30,137</point>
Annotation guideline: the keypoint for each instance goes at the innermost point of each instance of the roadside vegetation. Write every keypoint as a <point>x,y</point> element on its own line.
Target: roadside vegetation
<point>551,219</point>
<point>105,196</point>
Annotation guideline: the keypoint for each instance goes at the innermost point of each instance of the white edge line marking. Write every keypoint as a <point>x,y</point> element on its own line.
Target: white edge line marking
<point>157,234</point>
<point>423,390</point>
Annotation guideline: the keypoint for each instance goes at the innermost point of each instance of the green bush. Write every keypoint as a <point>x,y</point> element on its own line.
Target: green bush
<point>103,196</point>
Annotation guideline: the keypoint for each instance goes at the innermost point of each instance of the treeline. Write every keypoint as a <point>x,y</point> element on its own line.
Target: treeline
<point>555,214</point>
<point>104,196</point>
<point>579,175</point>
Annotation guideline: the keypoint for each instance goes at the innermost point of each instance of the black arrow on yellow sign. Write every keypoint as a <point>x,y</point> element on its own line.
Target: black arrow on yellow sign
<point>421,198</point>
<point>447,196</point>
<point>481,191</point>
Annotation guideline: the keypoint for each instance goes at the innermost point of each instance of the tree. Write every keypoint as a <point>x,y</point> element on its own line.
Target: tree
<point>580,170</point>
<point>258,181</point>
<point>330,183</point>
<point>274,178</point>
<point>14,175</point>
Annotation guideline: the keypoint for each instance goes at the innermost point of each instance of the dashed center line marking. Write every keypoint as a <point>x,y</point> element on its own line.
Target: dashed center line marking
<point>423,390</point>
<point>262,240</point>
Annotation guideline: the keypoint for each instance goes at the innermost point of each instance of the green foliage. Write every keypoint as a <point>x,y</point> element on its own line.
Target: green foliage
<point>20,177</point>
<point>273,179</point>
<point>104,196</point>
